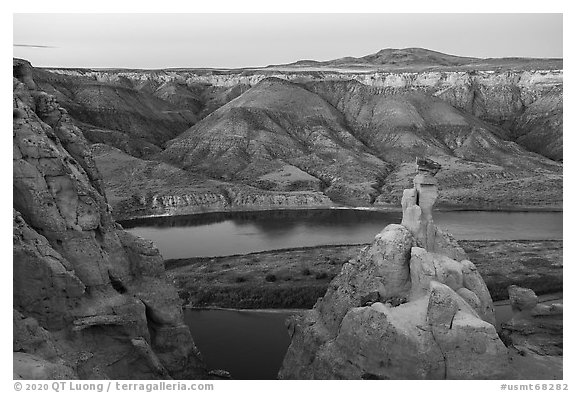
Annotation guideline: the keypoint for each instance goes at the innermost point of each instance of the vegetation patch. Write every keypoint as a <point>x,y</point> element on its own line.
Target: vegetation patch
<point>296,278</point>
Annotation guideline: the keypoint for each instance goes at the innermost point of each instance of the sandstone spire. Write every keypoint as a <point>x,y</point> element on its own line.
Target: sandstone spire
<point>417,206</point>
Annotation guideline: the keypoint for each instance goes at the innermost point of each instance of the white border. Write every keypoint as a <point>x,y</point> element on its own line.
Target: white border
<point>259,6</point>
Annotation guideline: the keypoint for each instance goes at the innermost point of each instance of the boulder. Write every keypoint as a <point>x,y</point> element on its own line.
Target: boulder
<point>522,299</point>
<point>462,277</point>
<point>535,328</point>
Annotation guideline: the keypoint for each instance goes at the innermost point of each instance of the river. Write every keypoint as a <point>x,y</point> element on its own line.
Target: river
<point>252,344</point>
<point>218,234</point>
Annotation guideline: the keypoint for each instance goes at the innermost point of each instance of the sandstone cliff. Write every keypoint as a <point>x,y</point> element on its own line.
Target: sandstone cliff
<point>132,119</point>
<point>409,306</point>
<point>499,95</point>
<point>360,142</point>
<point>90,300</point>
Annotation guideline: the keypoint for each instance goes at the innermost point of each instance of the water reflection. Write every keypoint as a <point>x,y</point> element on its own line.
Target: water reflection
<point>229,233</point>
<point>249,345</point>
<point>252,344</point>
<point>270,220</point>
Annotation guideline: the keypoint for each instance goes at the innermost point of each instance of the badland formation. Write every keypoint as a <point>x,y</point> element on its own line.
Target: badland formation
<point>95,146</point>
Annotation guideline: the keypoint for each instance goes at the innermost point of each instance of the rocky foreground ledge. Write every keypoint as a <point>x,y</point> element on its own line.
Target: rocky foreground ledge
<point>90,300</point>
<point>409,306</point>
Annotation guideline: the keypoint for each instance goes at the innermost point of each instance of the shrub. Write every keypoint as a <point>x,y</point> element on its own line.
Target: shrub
<point>270,277</point>
<point>321,275</point>
<point>306,272</point>
<point>240,279</point>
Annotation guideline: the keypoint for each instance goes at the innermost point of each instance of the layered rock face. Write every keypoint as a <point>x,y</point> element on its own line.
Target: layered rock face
<point>497,96</point>
<point>227,198</point>
<point>134,120</point>
<point>291,137</point>
<point>275,124</point>
<point>90,300</point>
<point>409,306</point>
<point>357,141</point>
<point>137,187</point>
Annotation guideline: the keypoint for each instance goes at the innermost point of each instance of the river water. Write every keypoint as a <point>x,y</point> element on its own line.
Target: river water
<point>218,234</point>
<point>252,344</point>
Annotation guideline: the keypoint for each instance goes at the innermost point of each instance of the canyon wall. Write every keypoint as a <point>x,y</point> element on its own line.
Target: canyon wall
<point>499,97</point>
<point>266,138</point>
<point>224,199</point>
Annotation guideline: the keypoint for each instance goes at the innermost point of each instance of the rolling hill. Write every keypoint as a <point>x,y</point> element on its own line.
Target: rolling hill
<point>420,59</point>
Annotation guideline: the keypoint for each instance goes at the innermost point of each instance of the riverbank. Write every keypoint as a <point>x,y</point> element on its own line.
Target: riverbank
<point>295,278</point>
<point>127,220</point>
<point>503,313</point>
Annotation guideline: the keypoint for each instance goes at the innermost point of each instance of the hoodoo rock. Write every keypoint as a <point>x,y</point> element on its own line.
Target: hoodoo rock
<point>417,204</point>
<point>90,301</point>
<point>409,306</point>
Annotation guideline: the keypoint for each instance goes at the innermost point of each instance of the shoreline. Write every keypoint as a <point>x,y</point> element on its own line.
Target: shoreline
<point>246,310</point>
<point>548,297</point>
<point>497,303</point>
<point>384,209</point>
<point>175,261</point>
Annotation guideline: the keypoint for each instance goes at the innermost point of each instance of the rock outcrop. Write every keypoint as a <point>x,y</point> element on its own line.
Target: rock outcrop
<point>535,328</point>
<point>138,187</point>
<point>409,306</point>
<point>417,204</point>
<point>90,301</point>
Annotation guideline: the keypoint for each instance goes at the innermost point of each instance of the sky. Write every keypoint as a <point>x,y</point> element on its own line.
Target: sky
<point>252,40</point>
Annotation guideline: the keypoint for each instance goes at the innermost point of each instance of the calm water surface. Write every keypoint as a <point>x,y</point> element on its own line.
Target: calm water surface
<point>248,344</point>
<point>252,344</point>
<point>217,234</point>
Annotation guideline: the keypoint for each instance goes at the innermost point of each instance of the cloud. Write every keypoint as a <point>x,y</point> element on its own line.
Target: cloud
<point>34,46</point>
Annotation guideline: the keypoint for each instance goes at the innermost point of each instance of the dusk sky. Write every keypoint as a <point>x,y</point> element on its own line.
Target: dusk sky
<point>245,40</point>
